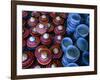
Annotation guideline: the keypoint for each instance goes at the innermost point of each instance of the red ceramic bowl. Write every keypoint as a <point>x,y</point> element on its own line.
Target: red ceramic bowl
<point>58,20</point>
<point>56,50</point>
<point>59,30</point>
<point>32,22</point>
<point>46,39</point>
<point>44,57</point>
<point>41,28</point>
<point>33,41</point>
<point>54,64</point>
<point>27,59</point>
<point>26,32</point>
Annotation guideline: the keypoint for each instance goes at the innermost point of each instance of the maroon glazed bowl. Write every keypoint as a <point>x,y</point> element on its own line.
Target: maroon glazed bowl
<point>27,59</point>
<point>63,15</point>
<point>25,32</point>
<point>58,20</point>
<point>50,27</point>
<point>35,14</point>
<point>46,39</point>
<point>54,64</point>
<point>41,28</point>
<point>56,51</point>
<point>33,41</point>
<point>53,14</point>
<point>34,32</point>
<point>32,22</point>
<point>44,57</point>
<point>58,39</point>
<point>43,19</point>
<point>59,30</point>
<point>38,49</point>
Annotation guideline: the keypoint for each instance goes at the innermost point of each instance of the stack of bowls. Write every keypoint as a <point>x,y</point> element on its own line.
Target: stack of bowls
<point>72,22</point>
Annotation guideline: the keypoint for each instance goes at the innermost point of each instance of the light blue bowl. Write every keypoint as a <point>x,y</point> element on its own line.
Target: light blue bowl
<point>82,30</point>
<point>72,54</point>
<point>82,44</point>
<point>65,43</point>
<point>85,58</point>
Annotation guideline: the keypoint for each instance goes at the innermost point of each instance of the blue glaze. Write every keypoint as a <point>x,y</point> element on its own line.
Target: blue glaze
<point>64,61</point>
<point>87,20</point>
<point>74,18</point>
<point>85,58</point>
<point>82,30</point>
<point>72,22</point>
<point>65,43</point>
<point>72,65</point>
<point>72,53</point>
<point>82,44</point>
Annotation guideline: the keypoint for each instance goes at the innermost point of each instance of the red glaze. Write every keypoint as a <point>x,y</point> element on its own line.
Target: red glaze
<point>43,19</point>
<point>35,14</point>
<point>53,14</point>
<point>58,39</point>
<point>57,53</point>
<point>44,13</point>
<point>24,14</point>
<point>36,65</point>
<point>38,49</point>
<point>44,57</point>
<point>41,28</point>
<point>50,27</point>
<point>54,64</point>
<point>28,61</point>
<point>23,23</point>
<point>24,43</point>
<point>46,39</point>
<point>58,20</point>
<point>34,32</point>
<point>32,22</point>
<point>59,30</point>
<point>26,32</point>
<point>63,15</point>
<point>33,43</point>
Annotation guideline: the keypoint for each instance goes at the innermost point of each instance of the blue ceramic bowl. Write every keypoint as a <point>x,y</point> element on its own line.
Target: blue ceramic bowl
<point>87,20</point>
<point>82,44</point>
<point>72,22</point>
<point>72,54</point>
<point>65,43</point>
<point>85,58</point>
<point>64,61</point>
<point>82,30</point>
<point>72,65</point>
<point>74,18</point>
